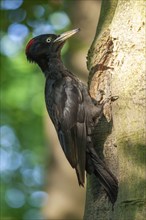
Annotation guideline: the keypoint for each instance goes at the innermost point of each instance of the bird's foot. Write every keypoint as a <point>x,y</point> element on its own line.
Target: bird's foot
<point>107,109</point>
<point>111,98</point>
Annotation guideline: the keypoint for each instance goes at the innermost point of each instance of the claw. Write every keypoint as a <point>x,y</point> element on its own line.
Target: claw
<point>114,98</point>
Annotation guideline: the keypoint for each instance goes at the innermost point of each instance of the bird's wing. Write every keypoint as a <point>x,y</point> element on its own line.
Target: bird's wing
<point>71,123</point>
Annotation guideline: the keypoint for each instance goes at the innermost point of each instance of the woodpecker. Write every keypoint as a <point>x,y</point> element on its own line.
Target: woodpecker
<point>71,110</point>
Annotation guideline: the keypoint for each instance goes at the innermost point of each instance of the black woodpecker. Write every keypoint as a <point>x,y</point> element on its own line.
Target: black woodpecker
<point>71,110</point>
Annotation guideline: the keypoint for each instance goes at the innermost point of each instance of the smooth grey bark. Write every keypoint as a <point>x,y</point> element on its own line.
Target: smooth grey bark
<point>116,62</point>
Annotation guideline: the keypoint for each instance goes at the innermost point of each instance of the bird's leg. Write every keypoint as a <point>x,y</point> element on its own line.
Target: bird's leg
<point>100,98</point>
<point>99,105</point>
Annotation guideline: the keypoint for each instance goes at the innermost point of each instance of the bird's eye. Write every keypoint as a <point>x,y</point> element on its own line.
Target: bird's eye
<point>48,40</point>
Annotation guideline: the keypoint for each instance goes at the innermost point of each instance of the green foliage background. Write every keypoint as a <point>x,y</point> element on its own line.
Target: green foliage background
<point>22,107</point>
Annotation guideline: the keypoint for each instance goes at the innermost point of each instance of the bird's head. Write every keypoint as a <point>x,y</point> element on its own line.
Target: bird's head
<point>46,46</point>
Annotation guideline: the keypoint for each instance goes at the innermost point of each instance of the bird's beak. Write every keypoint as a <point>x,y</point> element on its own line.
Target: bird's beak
<point>66,35</point>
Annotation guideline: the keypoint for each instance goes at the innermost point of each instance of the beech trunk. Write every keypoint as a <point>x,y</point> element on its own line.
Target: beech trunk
<point>116,62</point>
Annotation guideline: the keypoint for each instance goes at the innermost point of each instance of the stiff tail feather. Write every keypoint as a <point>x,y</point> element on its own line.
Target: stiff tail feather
<point>106,178</point>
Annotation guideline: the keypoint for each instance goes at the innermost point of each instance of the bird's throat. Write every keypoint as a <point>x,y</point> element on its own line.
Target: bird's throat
<point>52,67</point>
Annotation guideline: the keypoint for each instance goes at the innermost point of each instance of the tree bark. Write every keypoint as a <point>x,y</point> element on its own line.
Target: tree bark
<point>116,62</point>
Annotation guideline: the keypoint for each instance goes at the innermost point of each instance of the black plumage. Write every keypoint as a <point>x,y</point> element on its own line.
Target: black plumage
<point>71,110</point>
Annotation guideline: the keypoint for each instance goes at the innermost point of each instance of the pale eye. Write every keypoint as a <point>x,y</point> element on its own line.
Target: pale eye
<point>48,40</point>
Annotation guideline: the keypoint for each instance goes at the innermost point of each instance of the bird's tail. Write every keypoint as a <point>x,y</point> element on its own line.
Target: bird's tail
<point>106,178</point>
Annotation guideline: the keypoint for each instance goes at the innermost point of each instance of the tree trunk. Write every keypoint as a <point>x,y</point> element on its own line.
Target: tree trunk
<point>116,62</point>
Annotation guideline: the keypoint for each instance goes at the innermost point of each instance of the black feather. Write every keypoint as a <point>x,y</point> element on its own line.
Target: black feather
<point>106,177</point>
<point>71,110</point>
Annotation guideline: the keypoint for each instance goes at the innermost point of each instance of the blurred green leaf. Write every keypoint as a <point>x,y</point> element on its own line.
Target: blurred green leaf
<point>23,105</point>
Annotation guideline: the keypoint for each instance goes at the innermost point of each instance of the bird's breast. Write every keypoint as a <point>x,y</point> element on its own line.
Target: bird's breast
<point>49,94</point>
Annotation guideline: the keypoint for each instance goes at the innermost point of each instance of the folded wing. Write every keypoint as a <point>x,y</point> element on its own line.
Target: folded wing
<point>70,123</point>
